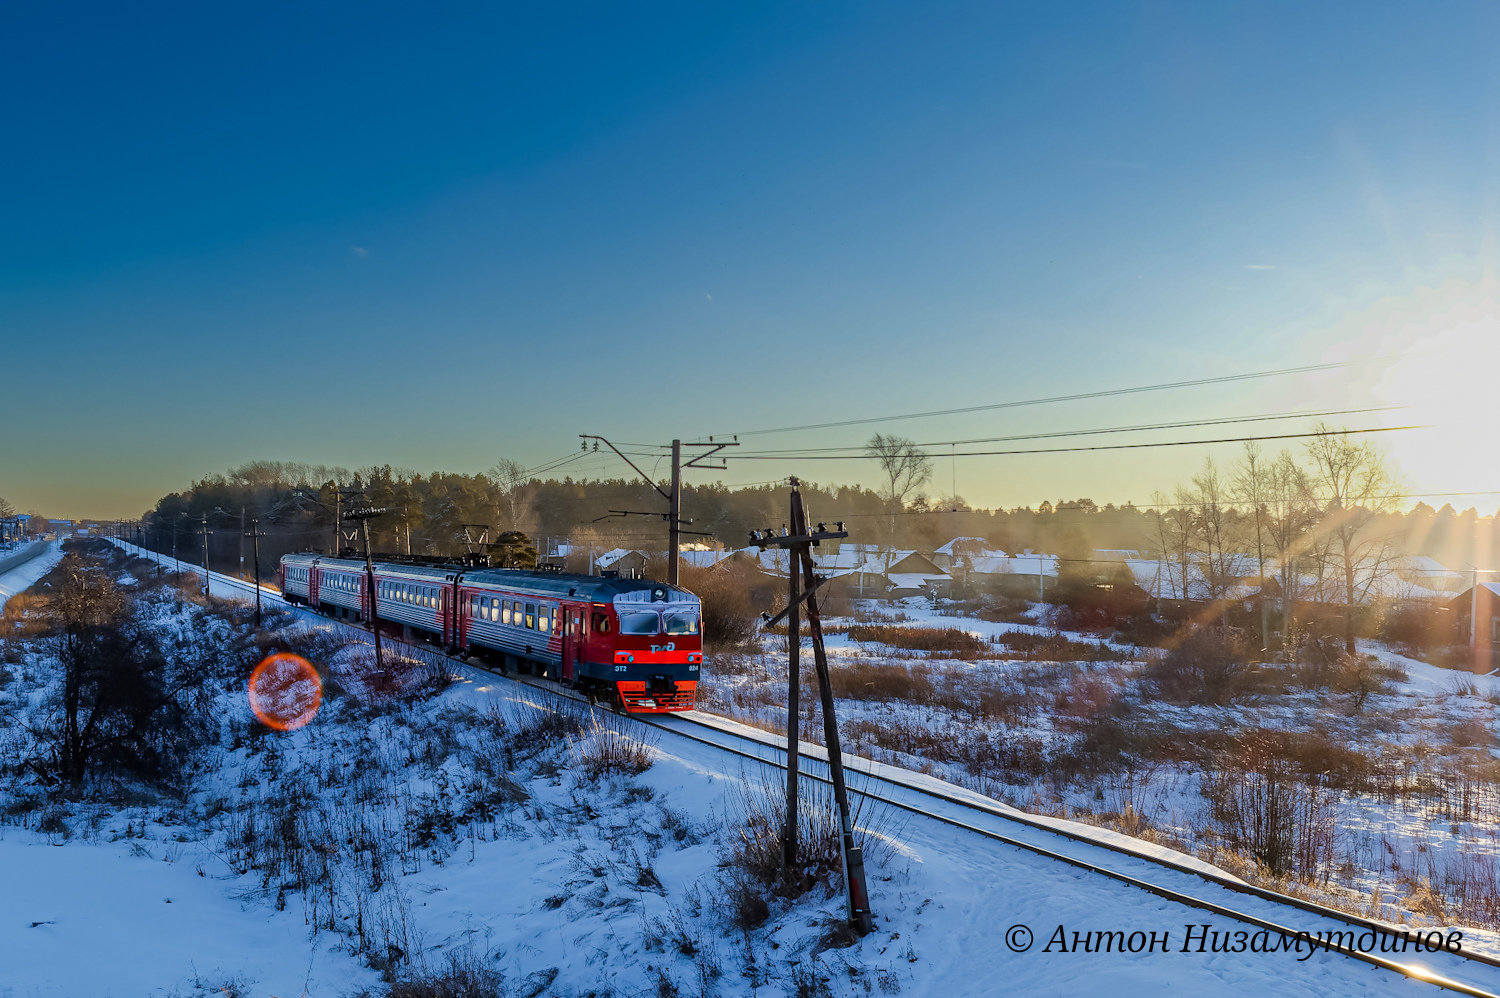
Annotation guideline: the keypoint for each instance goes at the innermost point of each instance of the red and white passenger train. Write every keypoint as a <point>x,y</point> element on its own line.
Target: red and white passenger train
<point>634,643</point>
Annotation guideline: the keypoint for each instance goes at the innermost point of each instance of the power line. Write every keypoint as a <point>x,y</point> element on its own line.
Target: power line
<point>1097,447</point>
<point>1080,396</point>
<point>1099,430</point>
<point>1126,506</point>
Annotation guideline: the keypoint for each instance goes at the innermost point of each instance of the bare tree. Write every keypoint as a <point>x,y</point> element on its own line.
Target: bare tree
<point>1354,484</point>
<point>1250,488</point>
<point>1288,516</point>
<point>906,469</point>
<point>514,485</point>
<point>1174,536</point>
<point>1213,522</point>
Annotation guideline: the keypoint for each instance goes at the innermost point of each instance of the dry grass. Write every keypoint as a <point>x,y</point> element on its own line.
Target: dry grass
<point>604,747</point>
<point>858,680</point>
<point>1054,648</point>
<point>753,855</point>
<point>950,642</point>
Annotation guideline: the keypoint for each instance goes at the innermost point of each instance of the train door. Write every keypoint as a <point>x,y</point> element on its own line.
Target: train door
<point>572,642</point>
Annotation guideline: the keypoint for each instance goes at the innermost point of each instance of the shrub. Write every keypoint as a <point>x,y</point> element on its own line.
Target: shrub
<point>1263,806</point>
<point>866,681</point>
<point>952,642</point>
<point>753,847</point>
<point>464,976</point>
<point>1415,629</point>
<point>604,748</point>
<point>730,617</point>
<point>1055,648</point>
<point>1207,667</point>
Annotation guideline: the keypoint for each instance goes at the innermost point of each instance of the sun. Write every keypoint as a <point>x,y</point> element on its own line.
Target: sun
<point>1436,354</point>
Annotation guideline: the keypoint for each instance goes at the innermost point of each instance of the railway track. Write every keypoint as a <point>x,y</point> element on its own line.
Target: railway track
<point>1196,886</point>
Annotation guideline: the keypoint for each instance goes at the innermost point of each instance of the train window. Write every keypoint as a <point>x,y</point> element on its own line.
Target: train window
<point>542,623</point>
<point>682,623</point>
<point>531,616</point>
<point>640,623</point>
<point>504,611</point>
<point>601,623</point>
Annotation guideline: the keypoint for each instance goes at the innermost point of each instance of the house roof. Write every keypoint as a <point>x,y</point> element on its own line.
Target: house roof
<point>916,580</point>
<point>984,547</point>
<point>1014,565</point>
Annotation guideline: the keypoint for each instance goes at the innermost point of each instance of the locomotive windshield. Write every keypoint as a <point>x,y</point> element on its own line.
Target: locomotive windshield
<point>682,623</point>
<point>640,623</point>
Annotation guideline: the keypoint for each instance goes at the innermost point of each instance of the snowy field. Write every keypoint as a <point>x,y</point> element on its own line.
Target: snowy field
<point>446,825</point>
<point>559,903</point>
<point>1411,819</point>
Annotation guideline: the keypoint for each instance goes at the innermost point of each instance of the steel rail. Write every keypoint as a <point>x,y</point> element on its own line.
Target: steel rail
<point>1020,818</point>
<point>1407,970</point>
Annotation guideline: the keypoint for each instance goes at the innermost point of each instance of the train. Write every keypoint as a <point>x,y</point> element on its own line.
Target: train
<point>632,643</point>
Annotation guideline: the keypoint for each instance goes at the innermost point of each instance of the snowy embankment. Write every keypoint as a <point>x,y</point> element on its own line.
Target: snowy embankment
<point>563,904</point>
<point>24,577</point>
<point>503,848</point>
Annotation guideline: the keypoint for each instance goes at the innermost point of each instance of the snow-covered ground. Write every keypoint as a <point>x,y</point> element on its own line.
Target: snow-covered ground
<point>567,885</point>
<point>560,903</point>
<point>1413,834</point>
<point>20,579</point>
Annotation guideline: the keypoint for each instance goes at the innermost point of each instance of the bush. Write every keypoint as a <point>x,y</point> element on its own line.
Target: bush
<point>1415,629</point>
<point>1055,648</point>
<point>1207,667</point>
<point>604,748</point>
<point>1262,806</point>
<point>952,642</point>
<point>465,976</point>
<point>753,847</point>
<point>730,618</point>
<point>866,681</point>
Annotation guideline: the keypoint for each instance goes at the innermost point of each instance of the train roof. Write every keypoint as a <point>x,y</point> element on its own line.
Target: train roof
<point>560,585</point>
<point>564,584</point>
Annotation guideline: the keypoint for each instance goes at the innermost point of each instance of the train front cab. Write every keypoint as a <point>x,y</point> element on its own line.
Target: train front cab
<point>647,656</point>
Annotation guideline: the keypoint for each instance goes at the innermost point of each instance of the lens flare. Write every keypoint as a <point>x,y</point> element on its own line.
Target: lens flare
<point>285,691</point>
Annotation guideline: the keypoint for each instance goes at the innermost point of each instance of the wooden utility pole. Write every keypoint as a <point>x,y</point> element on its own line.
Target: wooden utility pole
<point>371,615</point>
<point>255,535</point>
<point>798,543</point>
<point>207,595</point>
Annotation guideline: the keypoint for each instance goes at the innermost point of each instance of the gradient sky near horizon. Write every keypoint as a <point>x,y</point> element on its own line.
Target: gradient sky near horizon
<point>230,232</point>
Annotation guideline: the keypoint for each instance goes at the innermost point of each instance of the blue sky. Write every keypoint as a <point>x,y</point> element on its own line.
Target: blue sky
<point>226,228</point>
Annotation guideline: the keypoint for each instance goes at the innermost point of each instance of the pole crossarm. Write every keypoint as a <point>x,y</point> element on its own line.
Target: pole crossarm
<point>673,516</point>
<point>770,621</point>
<point>708,454</point>
<point>770,540</point>
<point>660,491</point>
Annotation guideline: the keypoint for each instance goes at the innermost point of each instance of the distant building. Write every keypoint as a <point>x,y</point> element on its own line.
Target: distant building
<point>1481,603</point>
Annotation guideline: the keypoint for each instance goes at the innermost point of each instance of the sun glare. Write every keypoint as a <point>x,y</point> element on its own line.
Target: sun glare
<point>1436,355</point>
